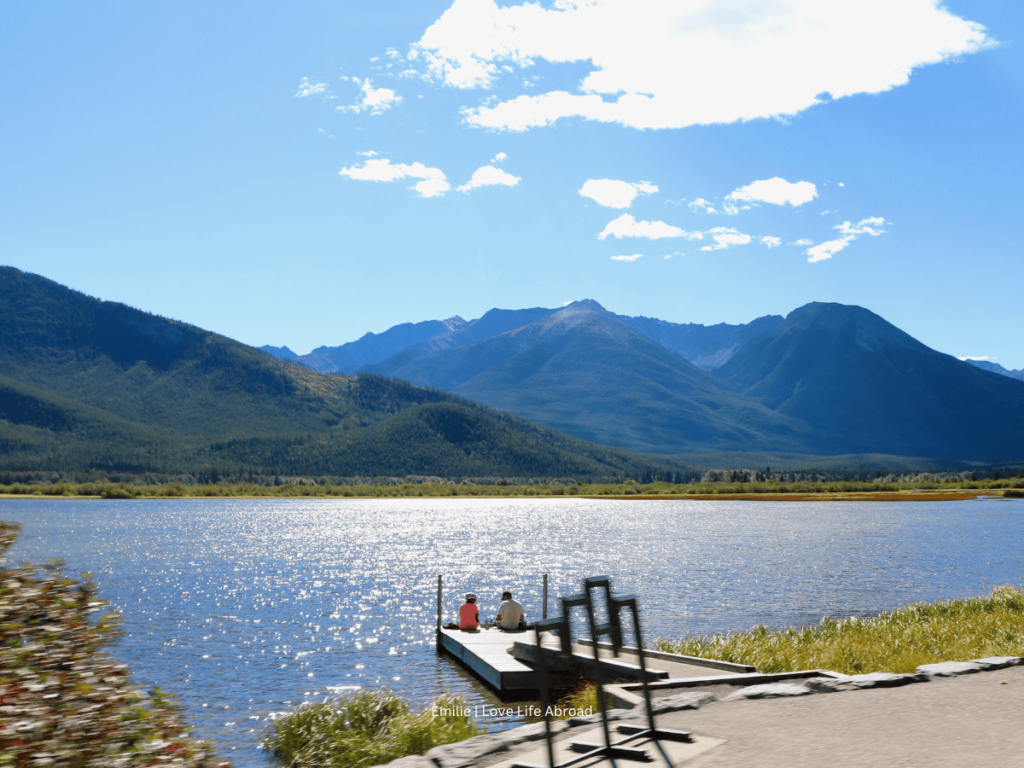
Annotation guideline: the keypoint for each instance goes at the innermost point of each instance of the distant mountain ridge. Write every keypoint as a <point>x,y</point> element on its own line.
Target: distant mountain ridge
<point>584,369</point>
<point>281,353</point>
<point>705,346</point>
<point>826,379</point>
<point>986,365</point>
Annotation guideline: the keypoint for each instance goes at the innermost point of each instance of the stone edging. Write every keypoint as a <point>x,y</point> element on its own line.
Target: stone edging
<point>839,682</point>
<point>469,752</point>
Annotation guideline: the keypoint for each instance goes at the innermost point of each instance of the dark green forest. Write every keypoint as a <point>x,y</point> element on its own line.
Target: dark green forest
<point>93,390</point>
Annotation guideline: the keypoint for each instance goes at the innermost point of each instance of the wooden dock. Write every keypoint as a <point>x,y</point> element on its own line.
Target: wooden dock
<point>505,661</point>
<point>486,653</point>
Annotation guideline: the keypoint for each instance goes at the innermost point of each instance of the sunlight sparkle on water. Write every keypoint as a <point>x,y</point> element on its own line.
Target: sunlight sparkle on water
<point>257,605</point>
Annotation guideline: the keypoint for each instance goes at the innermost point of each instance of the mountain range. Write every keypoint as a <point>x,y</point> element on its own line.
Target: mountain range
<point>93,388</point>
<point>827,379</point>
<point>987,365</point>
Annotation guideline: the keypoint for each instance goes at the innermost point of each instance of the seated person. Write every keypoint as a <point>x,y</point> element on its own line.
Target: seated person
<point>510,614</point>
<point>469,614</point>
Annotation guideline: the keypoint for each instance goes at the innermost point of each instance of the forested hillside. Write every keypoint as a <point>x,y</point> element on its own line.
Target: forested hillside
<point>94,388</point>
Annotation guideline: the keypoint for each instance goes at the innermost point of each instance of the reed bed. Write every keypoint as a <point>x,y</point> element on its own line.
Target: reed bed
<point>365,729</point>
<point>896,641</point>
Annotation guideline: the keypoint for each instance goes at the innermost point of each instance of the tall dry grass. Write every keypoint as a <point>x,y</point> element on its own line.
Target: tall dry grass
<point>895,641</point>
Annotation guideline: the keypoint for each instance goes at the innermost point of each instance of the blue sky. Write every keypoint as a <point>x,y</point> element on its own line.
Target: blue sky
<point>693,161</point>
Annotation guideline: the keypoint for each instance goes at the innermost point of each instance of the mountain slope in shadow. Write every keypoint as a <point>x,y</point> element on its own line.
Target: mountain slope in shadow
<point>583,370</point>
<point>873,388</point>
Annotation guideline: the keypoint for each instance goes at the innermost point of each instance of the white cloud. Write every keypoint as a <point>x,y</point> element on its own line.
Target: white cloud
<point>627,226</point>
<point>827,249</point>
<point>368,153</point>
<point>977,357</point>
<point>771,242</point>
<point>393,54</point>
<point>615,194</point>
<point>700,205</point>
<point>376,100</point>
<point>498,157</point>
<point>804,241</point>
<point>487,176</point>
<point>634,257</point>
<point>726,237</point>
<point>433,182</point>
<point>776,191</point>
<point>308,88</point>
<point>732,210</point>
<point>658,64</point>
<point>862,227</point>
<point>849,232</point>
<point>431,187</point>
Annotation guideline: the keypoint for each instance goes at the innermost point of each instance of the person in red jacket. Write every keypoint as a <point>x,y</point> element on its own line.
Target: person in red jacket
<point>469,614</point>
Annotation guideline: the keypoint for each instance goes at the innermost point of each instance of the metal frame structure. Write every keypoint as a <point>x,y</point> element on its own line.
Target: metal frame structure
<point>612,628</point>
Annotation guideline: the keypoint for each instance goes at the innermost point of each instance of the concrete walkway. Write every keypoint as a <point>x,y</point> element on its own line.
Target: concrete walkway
<point>953,715</point>
<point>970,721</point>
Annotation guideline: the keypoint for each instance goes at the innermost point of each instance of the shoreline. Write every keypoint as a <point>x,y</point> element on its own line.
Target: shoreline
<point>911,495</point>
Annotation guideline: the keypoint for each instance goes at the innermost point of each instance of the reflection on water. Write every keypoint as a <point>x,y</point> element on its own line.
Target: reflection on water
<point>242,608</point>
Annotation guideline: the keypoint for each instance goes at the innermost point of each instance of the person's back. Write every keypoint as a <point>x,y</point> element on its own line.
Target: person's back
<point>469,614</point>
<point>511,614</point>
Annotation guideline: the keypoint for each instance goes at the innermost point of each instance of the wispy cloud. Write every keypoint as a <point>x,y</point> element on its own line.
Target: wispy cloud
<point>726,237</point>
<point>627,226</point>
<point>659,64</point>
<point>700,205</point>
<point>634,257</point>
<point>489,176</point>
<point>433,182</point>
<point>376,100</point>
<point>499,157</point>
<point>862,227</point>
<point>771,242</point>
<point>615,194</point>
<point>826,250</point>
<point>776,191</point>
<point>308,87</point>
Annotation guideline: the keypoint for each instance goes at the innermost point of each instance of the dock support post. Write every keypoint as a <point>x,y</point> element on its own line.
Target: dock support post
<point>545,612</point>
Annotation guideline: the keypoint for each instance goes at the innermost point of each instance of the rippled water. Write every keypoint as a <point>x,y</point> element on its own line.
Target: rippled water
<point>242,608</point>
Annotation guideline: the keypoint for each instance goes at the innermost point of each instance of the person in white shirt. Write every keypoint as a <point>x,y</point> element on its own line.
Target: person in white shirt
<point>510,613</point>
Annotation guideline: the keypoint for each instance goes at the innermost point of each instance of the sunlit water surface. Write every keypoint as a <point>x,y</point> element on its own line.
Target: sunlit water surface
<point>244,608</point>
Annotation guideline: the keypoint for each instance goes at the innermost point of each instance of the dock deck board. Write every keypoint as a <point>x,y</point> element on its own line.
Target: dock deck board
<point>487,652</point>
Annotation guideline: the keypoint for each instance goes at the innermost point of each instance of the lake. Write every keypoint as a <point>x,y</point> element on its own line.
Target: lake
<point>244,608</point>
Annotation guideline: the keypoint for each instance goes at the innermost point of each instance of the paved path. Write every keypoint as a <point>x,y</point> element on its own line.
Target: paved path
<point>969,721</point>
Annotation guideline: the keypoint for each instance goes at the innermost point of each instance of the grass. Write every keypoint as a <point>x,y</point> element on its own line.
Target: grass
<point>897,641</point>
<point>916,489</point>
<point>365,729</point>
